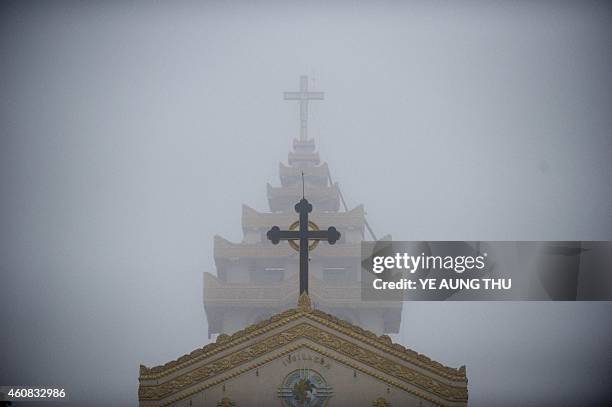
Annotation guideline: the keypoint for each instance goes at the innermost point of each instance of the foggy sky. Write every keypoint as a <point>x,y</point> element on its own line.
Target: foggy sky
<point>132,133</point>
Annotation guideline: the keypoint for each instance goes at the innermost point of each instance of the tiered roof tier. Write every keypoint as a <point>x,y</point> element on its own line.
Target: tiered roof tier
<point>237,284</point>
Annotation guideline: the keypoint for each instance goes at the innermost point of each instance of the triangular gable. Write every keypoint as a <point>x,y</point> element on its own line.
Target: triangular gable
<point>303,327</point>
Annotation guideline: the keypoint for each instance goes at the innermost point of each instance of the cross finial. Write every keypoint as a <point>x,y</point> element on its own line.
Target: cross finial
<point>303,188</point>
<point>275,235</point>
<point>303,96</point>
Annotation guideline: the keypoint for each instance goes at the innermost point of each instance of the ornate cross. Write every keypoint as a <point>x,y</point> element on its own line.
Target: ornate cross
<point>303,96</point>
<point>275,235</point>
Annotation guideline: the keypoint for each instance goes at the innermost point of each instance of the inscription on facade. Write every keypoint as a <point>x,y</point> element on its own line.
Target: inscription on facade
<point>307,357</point>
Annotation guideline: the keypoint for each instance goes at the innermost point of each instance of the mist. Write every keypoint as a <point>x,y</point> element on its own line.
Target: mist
<point>132,133</point>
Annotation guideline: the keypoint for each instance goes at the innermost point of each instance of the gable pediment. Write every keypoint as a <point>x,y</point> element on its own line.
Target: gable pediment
<point>303,329</point>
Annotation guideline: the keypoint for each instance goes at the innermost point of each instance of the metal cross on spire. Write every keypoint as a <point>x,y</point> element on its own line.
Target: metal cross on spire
<point>303,96</point>
<point>304,235</point>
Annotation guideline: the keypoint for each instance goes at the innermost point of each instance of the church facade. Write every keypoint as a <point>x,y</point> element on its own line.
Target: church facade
<point>303,357</point>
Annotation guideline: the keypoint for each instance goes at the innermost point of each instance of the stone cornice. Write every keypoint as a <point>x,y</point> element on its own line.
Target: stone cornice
<point>254,220</point>
<point>288,350</point>
<point>352,354</point>
<point>291,175</point>
<point>382,342</point>
<point>294,157</point>
<point>224,249</point>
<point>295,191</point>
<point>322,197</point>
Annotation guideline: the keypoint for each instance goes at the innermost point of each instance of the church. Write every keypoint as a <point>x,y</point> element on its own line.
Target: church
<point>285,311</point>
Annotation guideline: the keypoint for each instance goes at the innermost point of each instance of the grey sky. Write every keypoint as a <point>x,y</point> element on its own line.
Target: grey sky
<point>132,133</point>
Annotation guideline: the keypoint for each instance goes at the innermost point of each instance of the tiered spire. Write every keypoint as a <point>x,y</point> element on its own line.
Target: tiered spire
<point>255,279</point>
<point>304,159</point>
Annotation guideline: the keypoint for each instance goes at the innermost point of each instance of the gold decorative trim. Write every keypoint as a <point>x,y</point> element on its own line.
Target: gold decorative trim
<point>382,342</point>
<point>215,368</point>
<point>294,348</point>
<point>303,304</point>
<point>381,402</point>
<point>311,226</point>
<point>385,343</point>
<point>226,402</point>
<point>220,345</point>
